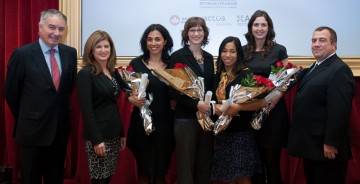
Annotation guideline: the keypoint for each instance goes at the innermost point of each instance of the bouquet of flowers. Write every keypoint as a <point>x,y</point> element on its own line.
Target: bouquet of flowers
<point>138,83</point>
<point>282,76</point>
<point>252,88</point>
<point>184,80</point>
<point>130,77</point>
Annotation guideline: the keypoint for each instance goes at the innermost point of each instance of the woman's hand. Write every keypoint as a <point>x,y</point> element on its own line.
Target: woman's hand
<point>203,108</point>
<point>122,143</point>
<point>273,98</point>
<point>218,109</point>
<point>138,102</point>
<point>232,110</point>
<point>99,149</point>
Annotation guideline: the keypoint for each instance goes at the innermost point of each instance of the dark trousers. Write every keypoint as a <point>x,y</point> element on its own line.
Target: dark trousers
<point>325,172</point>
<point>194,152</point>
<point>42,163</point>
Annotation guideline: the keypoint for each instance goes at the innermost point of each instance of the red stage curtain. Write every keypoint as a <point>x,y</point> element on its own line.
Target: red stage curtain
<point>19,26</point>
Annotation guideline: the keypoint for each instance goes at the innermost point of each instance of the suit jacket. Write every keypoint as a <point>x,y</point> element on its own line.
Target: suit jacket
<point>321,111</point>
<point>98,106</point>
<point>40,111</point>
<point>186,107</point>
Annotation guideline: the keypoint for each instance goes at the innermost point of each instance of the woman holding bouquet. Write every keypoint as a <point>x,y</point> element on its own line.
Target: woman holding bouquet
<point>261,52</point>
<point>99,87</point>
<point>152,151</point>
<point>194,146</point>
<point>236,156</point>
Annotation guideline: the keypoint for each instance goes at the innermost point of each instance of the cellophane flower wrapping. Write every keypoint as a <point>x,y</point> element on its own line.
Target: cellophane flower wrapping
<point>183,79</point>
<point>131,78</point>
<point>252,88</point>
<point>138,84</point>
<point>281,76</point>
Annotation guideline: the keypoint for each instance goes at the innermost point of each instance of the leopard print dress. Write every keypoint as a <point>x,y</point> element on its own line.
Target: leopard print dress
<point>101,167</point>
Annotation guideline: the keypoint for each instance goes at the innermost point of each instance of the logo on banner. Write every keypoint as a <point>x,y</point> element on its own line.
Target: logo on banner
<point>174,20</point>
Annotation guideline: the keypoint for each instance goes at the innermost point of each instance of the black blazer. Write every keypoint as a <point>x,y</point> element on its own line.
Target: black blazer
<point>186,107</point>
<point>98,106</point>
<point>40,111</point>
<point>321,111</point>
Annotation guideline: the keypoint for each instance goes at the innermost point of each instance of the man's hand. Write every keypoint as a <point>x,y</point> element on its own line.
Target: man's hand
<point>330,151</point>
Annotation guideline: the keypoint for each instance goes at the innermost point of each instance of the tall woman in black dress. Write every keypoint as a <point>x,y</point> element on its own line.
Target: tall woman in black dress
<point>152,152</point>
<point>261,52</point>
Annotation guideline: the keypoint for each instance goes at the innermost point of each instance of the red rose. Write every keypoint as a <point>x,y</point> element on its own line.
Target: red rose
<point>130,68</point>
<point>180,65</point>
<point>269,84</point>
<point>259,80</point>
<point>279,64</point>
<point>289,65</point>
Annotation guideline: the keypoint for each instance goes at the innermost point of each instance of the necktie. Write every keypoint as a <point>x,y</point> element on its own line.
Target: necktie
<point>54,69</point>
<point>312,69</point>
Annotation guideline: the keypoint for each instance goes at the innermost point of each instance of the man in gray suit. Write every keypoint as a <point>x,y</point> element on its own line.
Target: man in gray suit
<point>321,113</point>
<point>38,86</point>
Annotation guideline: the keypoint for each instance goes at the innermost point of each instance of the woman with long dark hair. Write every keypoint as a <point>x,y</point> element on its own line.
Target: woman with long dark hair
<point>261,52</point>
<point>152,152</point>
<point>236,156</point>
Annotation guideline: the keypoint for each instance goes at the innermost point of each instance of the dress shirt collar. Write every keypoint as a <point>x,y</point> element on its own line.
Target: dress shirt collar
<point>45,48</point>
<point>319,62</point>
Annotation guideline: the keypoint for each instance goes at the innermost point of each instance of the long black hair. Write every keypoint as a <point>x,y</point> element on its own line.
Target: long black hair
<point>239,64</point>
<point>165,56</point>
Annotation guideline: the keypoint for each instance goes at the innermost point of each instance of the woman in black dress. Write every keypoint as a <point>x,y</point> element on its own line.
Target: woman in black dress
<point>152,152</point>
<point>261,52</point>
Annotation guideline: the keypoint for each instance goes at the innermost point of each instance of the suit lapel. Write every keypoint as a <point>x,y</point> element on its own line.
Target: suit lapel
<point>64,65</point>
<point>39,60</point>
<point>106,83</point>
<point>321,68</point>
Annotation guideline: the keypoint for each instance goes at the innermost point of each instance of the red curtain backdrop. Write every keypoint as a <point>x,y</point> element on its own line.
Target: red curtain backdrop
<point>19,26</point>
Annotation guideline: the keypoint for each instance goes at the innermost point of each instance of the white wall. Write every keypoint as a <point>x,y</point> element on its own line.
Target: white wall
<point>294,21</point>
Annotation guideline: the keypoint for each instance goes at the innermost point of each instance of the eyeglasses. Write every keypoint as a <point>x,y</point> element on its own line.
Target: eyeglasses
<point>193,31</point>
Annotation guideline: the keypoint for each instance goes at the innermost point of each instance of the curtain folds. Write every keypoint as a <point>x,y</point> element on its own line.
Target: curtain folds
<point>19,26</point>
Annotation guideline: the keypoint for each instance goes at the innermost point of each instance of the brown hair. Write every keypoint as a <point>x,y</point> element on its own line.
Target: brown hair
<point>193,22</point>
<point>88,57</point>
<point>269,42</point>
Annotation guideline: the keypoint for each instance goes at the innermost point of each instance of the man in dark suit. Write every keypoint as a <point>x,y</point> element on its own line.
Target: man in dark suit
<point>38,86</point>
<point>320,123</point>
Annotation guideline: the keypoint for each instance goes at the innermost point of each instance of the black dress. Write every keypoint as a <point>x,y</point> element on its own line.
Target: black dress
<point>274,131</point>
<point>152,152</point>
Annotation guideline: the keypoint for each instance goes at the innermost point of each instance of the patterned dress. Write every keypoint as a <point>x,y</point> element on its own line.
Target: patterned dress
<point>104,166</point>
<point>235,150</point>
